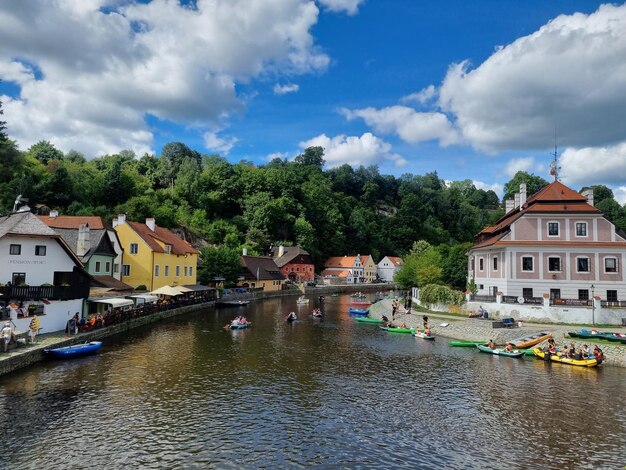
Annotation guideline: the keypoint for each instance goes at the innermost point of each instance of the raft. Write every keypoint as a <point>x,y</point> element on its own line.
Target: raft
<point>76,350</point>
<point>368,320</point>
<point>398,330</point>
<point>500,352</point>
<point>421,334</point>
<point>465,344</point>
<point>317,314</point>
<point>239,326</point>
<point>363,304</point>
<point>531,340</point>
<point>356,311</point>
<point>566,360</point>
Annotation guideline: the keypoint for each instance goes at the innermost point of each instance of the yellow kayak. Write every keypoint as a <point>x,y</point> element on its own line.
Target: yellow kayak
<point>566,360</point>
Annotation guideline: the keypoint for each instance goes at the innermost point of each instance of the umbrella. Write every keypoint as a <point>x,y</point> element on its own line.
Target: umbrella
<point>183,289</point>
<point>166,290</point>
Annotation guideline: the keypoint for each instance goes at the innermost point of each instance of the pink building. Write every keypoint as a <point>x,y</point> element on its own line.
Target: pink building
<point>555,243</point>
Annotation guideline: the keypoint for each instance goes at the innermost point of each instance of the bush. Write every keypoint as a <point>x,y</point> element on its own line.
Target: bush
<point>141,287</point>
<point>438,294</point>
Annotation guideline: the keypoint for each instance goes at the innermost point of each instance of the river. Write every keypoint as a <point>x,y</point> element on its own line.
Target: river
<point>185,393</point>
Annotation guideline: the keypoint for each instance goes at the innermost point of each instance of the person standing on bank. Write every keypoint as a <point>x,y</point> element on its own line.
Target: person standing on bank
<point>7,333</point>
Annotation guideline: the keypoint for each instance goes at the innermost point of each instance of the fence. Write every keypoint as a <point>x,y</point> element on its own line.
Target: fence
<point>511,299</point>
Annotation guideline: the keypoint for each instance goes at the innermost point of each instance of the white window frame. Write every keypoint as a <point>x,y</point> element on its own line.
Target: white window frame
<point>39,249</point>
<point>168,249</point>
<point>185,270</point>
<point>157,270</point>
<point>166,271</point>
<point>107,266</point>
<point>558,228</point>
<point>588,264</point>
<point>178,271</point>
<point>190,271</point>
<point>532,258</point>
<point>481,264</point>
<point>560,264</point>
<point>17,247</point>
<point>586,225</point>
<point>495,263</point>
<point>98,266</point>
<point>136,248</point>
<point>616,265</point>
<point>126,270</point>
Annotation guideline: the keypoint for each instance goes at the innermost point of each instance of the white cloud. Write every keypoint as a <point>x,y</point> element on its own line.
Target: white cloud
<point>101,73</point>
<point>422,97</point>
<point>287,88</point>
<point>353,150</point>
<point>570,74</point>
<point>620,194</point>
<point>594,165</point>
<point>410,125</point>
<point>519,164</point>
<point>281,155</point>
<point>351,7</point>
<point>498,188</point>
<point>218,144</point>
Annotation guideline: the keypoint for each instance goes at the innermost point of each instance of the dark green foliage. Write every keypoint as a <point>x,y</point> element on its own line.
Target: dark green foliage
<point>533,184</point>
<point>220,261</point>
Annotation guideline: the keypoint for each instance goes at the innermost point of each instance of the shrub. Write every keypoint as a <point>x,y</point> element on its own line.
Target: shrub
<point>438,294</point>
<point>141,287</point>
<point>46,284</point>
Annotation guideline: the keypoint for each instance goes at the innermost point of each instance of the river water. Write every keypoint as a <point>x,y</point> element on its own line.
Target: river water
<point>185,393</point>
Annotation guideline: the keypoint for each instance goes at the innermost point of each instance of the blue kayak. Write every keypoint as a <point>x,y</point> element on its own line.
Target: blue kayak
<point>76,350</point>
<point>356,311</point>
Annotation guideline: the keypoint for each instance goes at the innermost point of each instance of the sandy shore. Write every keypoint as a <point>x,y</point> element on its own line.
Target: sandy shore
<point>474,329</point>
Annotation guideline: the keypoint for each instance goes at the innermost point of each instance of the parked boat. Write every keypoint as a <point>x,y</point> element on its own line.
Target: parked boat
<point>233,303</point>
<point>302,301</point>
<point>500,351</point>
<point>465,344</point>
<point>356,311</point>
<point>75,350</point>
<point>594,334</point>
<point>531,340</point>
<point>364,304</point>
<point>566,360</point>
<point>368,320</point>
<point>421,334</point>
<point>398,330</point>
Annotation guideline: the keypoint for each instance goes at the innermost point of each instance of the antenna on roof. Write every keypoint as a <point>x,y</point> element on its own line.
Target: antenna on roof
<point>554,164</point>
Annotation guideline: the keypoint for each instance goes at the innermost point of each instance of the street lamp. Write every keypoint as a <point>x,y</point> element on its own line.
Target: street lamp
<point>593,306</point>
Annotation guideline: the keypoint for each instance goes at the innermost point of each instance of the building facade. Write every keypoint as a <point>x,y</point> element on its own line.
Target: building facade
<point>261,272</point>
<point>369,268</point>
<point>154,256</point>
<point>343,269</point>
<point>294,263</point>
<point>554,244</point>
<point>388,267</point>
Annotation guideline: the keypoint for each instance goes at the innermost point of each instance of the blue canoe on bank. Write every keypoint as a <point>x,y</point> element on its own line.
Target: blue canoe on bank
<point>76,350</point>
<point>356,311</point>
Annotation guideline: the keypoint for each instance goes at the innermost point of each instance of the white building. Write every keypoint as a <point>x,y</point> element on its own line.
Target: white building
<point>388,267</point>
<point>38,269</point>
<point>343,270</point>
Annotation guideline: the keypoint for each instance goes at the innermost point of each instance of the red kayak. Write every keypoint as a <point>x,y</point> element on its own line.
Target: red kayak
<point>362,303</point>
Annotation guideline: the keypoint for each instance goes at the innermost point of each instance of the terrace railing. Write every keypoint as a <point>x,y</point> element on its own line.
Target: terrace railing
<point>613,303</point>
<point>511,299</point>
<point>571,302</point>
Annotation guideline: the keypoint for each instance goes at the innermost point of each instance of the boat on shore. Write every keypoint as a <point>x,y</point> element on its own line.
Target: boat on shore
<point>362,304</point>
<point>500,351</point>
<point>566,360</point>
<point>76,350</point>
<point>421,334</point>
<point>465,344</point>
<point>357,311</point>
<point>529,341</point>
<point>609,336</point>
<point>369,320</point>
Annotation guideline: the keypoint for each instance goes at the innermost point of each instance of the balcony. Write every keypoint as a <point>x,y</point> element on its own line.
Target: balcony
<point>42,292</point>
<point>613,304</point>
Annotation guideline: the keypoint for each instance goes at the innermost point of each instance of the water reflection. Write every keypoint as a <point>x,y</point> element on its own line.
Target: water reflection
<point>187,393</point>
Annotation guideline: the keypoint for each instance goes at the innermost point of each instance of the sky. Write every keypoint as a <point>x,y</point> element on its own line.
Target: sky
<point>472,90</point>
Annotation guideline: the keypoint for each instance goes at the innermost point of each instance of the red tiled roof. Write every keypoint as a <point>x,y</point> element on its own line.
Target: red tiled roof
<point>334,272</point>
<point>395,260</point>
<point>73,221</point>
<point>340,262</point>
<point>163,235</point>
<point>555,192</point>
<point>577,207</point>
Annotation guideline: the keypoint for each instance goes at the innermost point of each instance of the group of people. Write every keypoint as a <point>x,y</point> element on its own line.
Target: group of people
<point>239,321</point>
<point>317,312</point>
<point>583,353</point>
<point>480,313</point>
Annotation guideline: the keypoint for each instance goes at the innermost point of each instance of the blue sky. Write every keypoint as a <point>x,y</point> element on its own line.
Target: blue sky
<point>468,89</point>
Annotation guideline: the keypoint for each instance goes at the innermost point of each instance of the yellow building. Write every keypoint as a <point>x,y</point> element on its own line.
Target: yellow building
<point>369,268</point>
<point>154,256</point>
<point>261,272</point>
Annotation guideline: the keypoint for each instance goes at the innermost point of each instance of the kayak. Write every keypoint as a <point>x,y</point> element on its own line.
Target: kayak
<point>566,360</point>
<point>465,344</point>
<point>500,352</point>
<point>368,320</point>
<point>528,352</point>
<point>317,315</point>
<point>421,334</point>
<point>363,304</point>
<point>356,311</point>
<point>398,330</point>
<point>76,350</point>
<point>239,326</point>
<point>526,342</point>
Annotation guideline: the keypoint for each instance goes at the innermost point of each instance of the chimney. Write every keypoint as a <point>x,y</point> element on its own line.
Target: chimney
<point>516,203</point>
<point>54,214</point>
<point>121,219</point>
<point>509,206</point>
<point>588,193</point>
<point>281,250</point>
<point>522,194</point>
<point>151,223</point>
<point>83,240</point>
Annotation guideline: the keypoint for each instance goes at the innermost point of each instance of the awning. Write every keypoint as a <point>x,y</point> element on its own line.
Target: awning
<point>115,302</point>
<point>146,297</point>
<point>166,290</point>
<point>198,287</point>
<point>182,289</point>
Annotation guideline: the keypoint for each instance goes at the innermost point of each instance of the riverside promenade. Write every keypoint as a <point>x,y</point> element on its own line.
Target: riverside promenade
<point>461,328</point>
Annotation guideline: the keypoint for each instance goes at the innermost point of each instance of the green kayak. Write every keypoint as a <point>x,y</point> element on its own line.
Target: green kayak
<point>465,344</point>
<point>368,320</point>
<point>398,330</point>
<point>528,352</point>
<point>500,352</point>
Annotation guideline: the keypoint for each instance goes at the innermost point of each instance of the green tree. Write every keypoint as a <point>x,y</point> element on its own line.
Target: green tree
<point>220,261</point>
<point>533,184</point>
<point>311,156</point>
<point>45,152</point>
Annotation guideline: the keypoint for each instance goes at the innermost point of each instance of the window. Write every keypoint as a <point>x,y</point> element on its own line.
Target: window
<point>40,250</point>
<point>611,295</point>
<point>177,271</point>
<point>553,229</point>
<point>554,264</point>
<point>190,270</point>
<point>18,278</point>
<point>527,292</point>
<point>98,266</point>
<point>126,270</point>
<point>481,286</point>
<point>167,271</point>
<point>116,268</point>
<point>583,294</point>
<point>480,264</point>
<point>527,263</point>
<point>582,265</point>
<point>134,248</point>
<point>555,293</point>
<point>185,270</point>
<point>472,264</point>
<point>107,266</point>
<point>15,249</point>
<point>495,263</point>
<point>610,265</point>
<point>157,268</point>
<point>168,249</point>
<point>581,229</point>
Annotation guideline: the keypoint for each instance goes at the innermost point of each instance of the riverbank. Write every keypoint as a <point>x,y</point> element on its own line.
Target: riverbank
<point>473,329</point>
